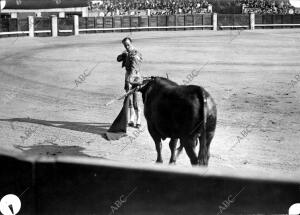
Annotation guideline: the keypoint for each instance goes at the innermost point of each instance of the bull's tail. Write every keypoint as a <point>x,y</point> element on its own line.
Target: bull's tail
<point>202,138</point>
<point>179,149</point>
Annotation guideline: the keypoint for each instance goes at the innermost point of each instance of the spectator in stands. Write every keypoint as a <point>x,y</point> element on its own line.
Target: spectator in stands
<point>123,7</point>
<point>266,7</point>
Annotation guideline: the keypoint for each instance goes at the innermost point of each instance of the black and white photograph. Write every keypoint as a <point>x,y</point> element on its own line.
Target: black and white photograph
<point>141,107</point>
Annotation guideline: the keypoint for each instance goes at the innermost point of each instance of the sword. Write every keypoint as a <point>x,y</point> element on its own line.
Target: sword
<point>122,97</point>
<point>130,91</point>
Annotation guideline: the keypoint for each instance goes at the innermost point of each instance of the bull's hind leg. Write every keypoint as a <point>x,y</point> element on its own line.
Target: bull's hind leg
<point>172,145</point>
<point>204,148</point>
<point>158,145</point>
<point>189,146</point>
<point>158,150</point>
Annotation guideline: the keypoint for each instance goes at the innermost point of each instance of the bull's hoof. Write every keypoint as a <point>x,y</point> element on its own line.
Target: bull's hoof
<point>172,162</point>
<point>203,162</point>
<point>194,162</point>
<point>159,161</point>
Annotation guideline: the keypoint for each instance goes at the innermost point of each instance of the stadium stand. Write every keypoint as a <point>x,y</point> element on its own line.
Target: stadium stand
<point>149,7</point>
<point>267,7</point>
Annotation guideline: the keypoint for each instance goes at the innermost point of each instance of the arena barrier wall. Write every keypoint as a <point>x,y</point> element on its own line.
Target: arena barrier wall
<point>73,26</point>
<point>277,21</point>
<point>43,26</point>
<point>144,23</point>
<point>99,22</point>
<point>73,185</point>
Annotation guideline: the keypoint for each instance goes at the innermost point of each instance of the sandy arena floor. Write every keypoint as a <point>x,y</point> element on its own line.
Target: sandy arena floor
<point>251,74</point>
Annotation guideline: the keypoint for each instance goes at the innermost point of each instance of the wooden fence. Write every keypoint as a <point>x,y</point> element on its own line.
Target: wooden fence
<point>69,26</point>
<point>54,26</point>
<point>277,21</point>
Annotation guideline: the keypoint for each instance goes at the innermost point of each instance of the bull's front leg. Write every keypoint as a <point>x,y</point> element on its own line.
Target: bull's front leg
<point>172,145</point>
<point>158,146</point>
<point>157,139</point>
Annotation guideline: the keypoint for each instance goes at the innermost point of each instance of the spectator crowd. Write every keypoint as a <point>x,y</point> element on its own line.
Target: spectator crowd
<point>169,7</point>
<point>266,7</point>
<point>149,7</point>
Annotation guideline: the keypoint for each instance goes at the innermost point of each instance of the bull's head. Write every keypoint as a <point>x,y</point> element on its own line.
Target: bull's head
<point>145,85</point>
<point>140,82</point>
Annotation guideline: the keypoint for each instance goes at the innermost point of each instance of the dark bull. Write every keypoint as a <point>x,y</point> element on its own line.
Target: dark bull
<point>185,113</point>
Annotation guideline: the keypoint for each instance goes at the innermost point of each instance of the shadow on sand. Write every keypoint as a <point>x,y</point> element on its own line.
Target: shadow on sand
<point>93,128</point>
<point>49,147</point>
<point>52,150</point>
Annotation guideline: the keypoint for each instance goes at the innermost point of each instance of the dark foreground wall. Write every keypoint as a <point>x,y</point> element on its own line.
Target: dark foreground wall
<point>90,186</point>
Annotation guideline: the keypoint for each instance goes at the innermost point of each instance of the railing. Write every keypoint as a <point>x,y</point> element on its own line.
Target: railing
<point>279,21</point>
<point>78,25</point>
<point>73,26</point>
